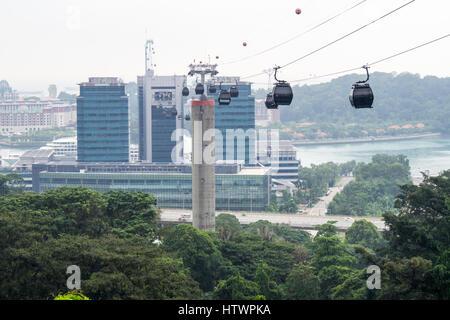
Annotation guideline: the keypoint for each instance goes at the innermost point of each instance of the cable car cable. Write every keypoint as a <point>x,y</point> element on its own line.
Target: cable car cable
<point>294,37</point>
<point>375,62</point>
<point>349,34</point>
<point>339,39</point>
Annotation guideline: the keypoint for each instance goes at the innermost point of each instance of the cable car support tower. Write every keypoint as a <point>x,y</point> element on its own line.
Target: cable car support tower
<point>203,151</point>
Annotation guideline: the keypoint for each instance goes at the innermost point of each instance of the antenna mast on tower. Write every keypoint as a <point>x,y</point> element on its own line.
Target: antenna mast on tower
<point>149,51</point>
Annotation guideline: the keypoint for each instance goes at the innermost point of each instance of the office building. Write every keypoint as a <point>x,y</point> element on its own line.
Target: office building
<point>102,126</point>
<point>237,187</point>
<point>160,115</point>
<point>238,118</point>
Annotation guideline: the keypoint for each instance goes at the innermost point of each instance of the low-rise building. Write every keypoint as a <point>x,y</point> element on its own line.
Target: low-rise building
<point>283,160</point>
<point>238,188</point>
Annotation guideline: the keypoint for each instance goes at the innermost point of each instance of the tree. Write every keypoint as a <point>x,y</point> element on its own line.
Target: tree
<point>72,295</point>
<point>327,229</point>
<point>333,260</point>
<point>131,213</point>
<point>410,279</point>
<point>11,183</point>
<point>246,251</point>
<point>364,233</point>
<point>416,261</point>
<point>111,268</point>
<point>354,287</point>
<point>288,204</point>
<point>422,224</point>
<point>267,287</point>
<point>84,211</point>
<point>270,232</point>
<point>236,288</point>
<point>199,254</point>
<point>302,284</point>
<point>227,226</point>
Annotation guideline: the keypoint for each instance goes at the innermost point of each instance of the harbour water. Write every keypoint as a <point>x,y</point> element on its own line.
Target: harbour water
<point>432,154</point>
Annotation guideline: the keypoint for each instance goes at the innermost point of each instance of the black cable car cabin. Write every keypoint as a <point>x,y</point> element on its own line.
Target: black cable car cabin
<point>199,88</point>
<point>270,103</point>
<point>361,96</point>
<point>212,88</point>
<point>282,94</point>
<point>234,92</point>
<point>282,91</point>
<point>185,92</point>
<point>224,97</point>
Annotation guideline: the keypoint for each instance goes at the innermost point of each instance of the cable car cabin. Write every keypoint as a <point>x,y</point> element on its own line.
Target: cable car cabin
<point>212,89</point>
<point>224,97</point>
<point>187,118</point>
<point>199,88</point>
<point>282,94</point>
<point>270,103</point>
<point>234,92</point>
<point>185,92</point>
<point>361,96</point>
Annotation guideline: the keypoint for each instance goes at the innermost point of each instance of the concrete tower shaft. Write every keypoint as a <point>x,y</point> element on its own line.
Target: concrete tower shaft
<point>203,164</point>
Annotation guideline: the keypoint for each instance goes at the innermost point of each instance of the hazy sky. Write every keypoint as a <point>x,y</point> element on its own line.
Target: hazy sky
<point>66,41</point>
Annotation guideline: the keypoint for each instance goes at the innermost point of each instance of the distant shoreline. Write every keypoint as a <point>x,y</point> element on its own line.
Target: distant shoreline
<point>362,140</point>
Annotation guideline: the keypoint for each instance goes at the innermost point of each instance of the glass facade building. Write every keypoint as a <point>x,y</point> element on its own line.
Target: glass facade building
<point>160,114</point>
<point>102,121</point>
<point>237,188</point>
<point>239,119</point>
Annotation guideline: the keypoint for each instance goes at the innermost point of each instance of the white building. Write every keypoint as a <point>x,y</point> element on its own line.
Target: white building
<point>63,147</point>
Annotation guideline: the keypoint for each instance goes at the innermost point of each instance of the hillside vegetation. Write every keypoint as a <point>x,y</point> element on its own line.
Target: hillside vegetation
<point>374,190</point>
<point>404,104</point>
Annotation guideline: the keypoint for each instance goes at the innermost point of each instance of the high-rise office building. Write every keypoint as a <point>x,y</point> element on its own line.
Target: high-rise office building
<point>160,114</point>
<point>236,122</point>
<point>102,121</point>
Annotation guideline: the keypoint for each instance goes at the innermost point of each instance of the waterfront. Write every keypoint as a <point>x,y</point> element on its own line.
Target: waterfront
<point>431,154</point>
<point>6,152</point>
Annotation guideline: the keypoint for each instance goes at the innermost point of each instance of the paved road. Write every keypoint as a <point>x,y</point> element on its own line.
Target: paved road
<point>320,208</point>
<point>293,220</point>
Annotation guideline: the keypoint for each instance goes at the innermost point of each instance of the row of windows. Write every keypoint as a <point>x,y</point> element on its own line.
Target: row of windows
<point>242,183</point>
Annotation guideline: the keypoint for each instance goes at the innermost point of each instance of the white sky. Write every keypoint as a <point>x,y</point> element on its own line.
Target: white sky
<point>66,41</point>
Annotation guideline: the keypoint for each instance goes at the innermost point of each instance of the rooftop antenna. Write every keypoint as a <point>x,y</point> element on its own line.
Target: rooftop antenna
<point>269,73</point>
<point>149,51</point>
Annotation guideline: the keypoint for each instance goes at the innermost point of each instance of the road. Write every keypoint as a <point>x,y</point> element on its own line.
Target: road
<point>294,220</point>
<point>320,208</point>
